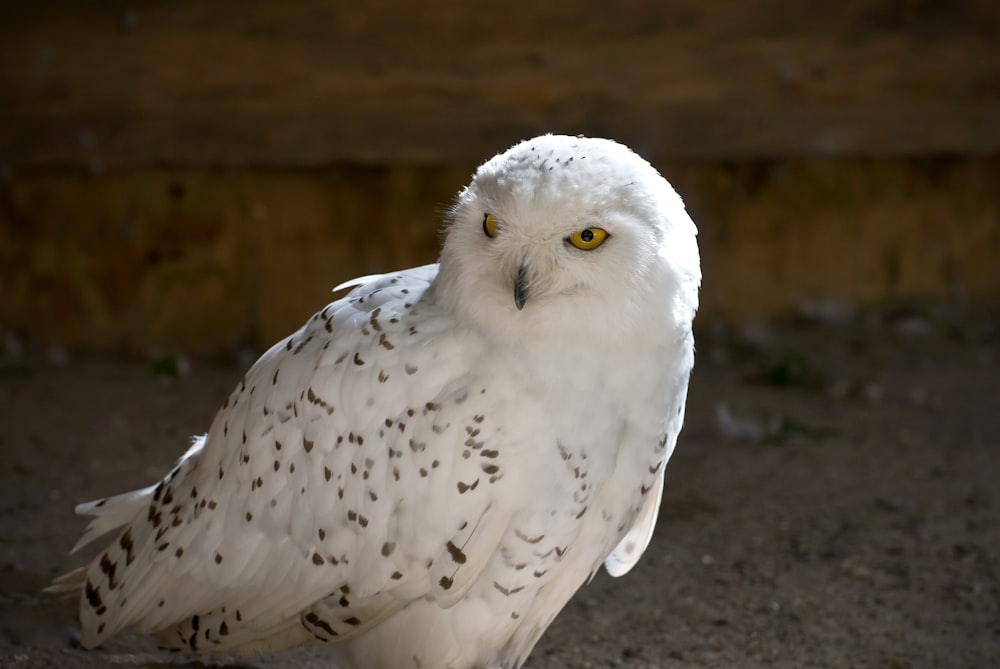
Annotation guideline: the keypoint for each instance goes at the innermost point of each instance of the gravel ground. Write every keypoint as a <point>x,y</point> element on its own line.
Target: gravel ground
<point>834,501</point>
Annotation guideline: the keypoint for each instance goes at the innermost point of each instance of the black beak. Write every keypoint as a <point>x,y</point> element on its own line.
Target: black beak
<point>521,287</point>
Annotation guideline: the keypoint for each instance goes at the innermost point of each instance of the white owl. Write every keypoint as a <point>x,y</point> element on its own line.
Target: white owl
<point>425,473</point>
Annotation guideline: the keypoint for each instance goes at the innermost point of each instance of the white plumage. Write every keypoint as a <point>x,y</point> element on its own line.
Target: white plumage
<point>425,473</point>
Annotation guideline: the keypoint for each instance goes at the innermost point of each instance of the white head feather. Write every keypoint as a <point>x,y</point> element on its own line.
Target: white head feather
<point>540,192</point>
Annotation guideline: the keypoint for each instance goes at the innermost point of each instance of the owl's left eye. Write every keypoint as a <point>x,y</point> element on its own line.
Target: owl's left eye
<point>490,225</point>
<point>588,238</point>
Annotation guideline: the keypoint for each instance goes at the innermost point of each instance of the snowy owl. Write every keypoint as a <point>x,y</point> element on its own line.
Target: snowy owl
<point>425,473</point>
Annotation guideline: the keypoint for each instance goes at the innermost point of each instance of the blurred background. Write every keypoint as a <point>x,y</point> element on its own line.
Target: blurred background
<point>196,176</point>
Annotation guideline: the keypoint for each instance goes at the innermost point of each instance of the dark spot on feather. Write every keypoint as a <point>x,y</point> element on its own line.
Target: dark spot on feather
<point>507,592</point>
<point>526,539</point>
<point>463,487</point>
<point>92,594</point>
<point>316,621</point>
<point>456,553</point>
<point>126,545</point>
<point>109,567</point>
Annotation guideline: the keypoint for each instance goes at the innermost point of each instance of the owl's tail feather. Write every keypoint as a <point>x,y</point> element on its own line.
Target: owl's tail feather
<point>69,582</point>
<point>111,513</point>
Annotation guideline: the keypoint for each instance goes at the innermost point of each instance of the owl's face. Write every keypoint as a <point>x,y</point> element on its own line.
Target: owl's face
<point>566,230</point>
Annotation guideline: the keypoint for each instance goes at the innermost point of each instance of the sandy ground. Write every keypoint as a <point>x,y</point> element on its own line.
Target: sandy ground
<point>845,512</point>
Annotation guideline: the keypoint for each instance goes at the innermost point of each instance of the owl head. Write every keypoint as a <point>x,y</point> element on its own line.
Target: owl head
<point>569,237</point>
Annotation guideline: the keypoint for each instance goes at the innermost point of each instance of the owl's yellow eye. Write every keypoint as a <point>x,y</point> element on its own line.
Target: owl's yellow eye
<point>588,238</point>
<point>490,225</point>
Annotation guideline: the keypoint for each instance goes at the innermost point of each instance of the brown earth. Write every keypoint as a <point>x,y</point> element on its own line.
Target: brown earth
<point>861,529</point>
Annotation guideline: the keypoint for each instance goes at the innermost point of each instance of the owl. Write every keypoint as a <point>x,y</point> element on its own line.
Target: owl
<point>426,471</point>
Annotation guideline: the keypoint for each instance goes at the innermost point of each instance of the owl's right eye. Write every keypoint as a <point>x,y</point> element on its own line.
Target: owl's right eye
<point>490,225</point>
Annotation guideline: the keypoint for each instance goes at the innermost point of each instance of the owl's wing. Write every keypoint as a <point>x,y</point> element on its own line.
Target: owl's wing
<point>628,551</point>
<point>334,486</point>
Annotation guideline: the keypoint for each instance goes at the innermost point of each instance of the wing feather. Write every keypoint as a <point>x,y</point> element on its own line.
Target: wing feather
<point>323,497</point>
<point>628,551</point>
